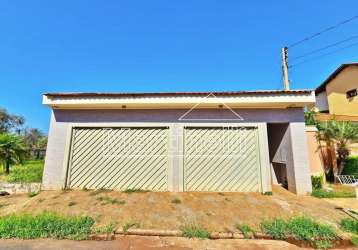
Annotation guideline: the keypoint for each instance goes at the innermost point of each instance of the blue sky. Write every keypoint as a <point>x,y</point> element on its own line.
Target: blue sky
<point>158,45</point>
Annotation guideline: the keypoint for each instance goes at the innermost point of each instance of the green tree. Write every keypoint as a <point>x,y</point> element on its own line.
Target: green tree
<point>35,141</point>
<point>10,122</point>
<point>12,150</point>
<point>341,134</point>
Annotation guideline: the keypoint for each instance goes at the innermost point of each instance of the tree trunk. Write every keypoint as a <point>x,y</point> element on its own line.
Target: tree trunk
<point>37,154</point>
<point>7,167</point>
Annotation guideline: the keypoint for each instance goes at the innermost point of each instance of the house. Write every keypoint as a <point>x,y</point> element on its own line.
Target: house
<point>241,141</point>
<point>337,95</point>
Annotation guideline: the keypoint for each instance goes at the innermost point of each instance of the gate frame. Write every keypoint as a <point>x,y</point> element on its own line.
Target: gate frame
<point>176,148</point>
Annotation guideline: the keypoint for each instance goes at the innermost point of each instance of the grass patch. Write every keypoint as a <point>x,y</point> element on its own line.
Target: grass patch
<point>246,230</point>
<point>130,224</point>
<point>195,231</point>
<point>321,193</point>
<point>32,194</point>
<point>350,225</point>
<point>72,203</point>
<point>134,190</point>
<point>300,228</point>
<point>109,200</point>
<point>3,205</point>
<point>45,225</point>
<point>29,171</point>
<point>176,201</point>
<point>107,229</point>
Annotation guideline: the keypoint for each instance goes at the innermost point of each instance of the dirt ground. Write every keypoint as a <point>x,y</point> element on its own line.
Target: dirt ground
<point>156,210</point>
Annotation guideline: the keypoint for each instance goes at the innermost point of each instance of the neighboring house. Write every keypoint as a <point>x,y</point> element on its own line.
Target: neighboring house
<point>201,141</point>
<point>337,95</point>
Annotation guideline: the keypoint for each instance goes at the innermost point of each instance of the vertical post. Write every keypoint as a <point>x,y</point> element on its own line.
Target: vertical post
<point>285,69</point>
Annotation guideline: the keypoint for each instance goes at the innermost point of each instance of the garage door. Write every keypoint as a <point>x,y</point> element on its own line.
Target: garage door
<point>221,159</point>
<point>119,158</point>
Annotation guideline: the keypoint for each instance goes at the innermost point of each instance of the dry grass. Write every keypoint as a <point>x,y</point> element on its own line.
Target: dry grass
<point>156,210</point>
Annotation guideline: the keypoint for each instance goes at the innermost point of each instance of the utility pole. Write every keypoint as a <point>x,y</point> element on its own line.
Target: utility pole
<point>286,83</point>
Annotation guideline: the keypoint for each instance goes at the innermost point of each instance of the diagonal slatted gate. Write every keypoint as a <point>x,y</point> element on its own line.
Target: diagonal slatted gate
<point>221,159</point>
<point>119,158</point>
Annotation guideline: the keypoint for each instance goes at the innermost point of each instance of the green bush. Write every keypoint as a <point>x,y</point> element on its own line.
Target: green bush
<point>317,181</point>
<point>351,166</point>
<point>300,228</point>
<point>350,225</point>
<point>195,231</point>
<point>45,225</point>
<point>30,171</point>
<point>354,240</point>
<point>321,193</point>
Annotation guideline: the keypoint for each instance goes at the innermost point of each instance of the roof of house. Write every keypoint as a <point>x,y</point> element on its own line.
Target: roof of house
<point>322,87</point>
<point>258,98</point>
<point>148,94</point>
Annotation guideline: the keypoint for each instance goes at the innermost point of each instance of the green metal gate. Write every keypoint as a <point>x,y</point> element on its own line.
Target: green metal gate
<point>221,159</point>
<point>119,158</point>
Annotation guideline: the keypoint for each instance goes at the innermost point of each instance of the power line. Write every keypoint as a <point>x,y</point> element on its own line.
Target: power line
<point>323,31</point>
<point>318,57</point>
<point>325,47</point>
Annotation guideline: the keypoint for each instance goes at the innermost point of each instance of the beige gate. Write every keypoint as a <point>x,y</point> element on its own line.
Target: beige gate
<point>119,158</point>
<point>221,159</point>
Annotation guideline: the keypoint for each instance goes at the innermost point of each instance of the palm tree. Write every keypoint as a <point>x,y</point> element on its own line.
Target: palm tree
<point>340,134</point>
<point>12,150</point>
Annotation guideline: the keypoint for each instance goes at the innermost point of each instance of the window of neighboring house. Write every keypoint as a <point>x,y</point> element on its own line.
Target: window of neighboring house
<point>351,93</point>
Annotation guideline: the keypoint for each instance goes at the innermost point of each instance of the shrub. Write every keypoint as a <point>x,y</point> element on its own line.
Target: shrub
<point>45,225</point>
<point>195,231</point>
<point>317,181</point>
<point>351,166</point>
<point>245,230</point>
<point>277,228</point>
<point>349,225</point>
<point>30,171</point>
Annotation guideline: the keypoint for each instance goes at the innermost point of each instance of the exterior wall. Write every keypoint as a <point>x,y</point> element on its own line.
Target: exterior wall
<point>315,160</point>
<point>322,102</point>
<point>336,92</point>
<point>62,121</point>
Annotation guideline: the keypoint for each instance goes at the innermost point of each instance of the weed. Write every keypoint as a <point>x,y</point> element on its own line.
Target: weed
<point>135,190</point>
<point>32,194</point>
<point>300,228</point>
<point>276,228</point>
<point>349,225</point>
<point>45,225</point>
<point>41,200</point>
<point>222,194</point>
<point>130,224</point>
<point>99,191</point>
<point>72,203</point>
<point>107,229</point>
<point>245,230</point>
<point>3,205</point>
<point>176,201</point>
<point>321,193</point>
<point>354,240</point>
<point>268,193</point>
<point>108,200</point>
<point>323,244</point>
<point>85,189</point>
<point>195,231</point>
